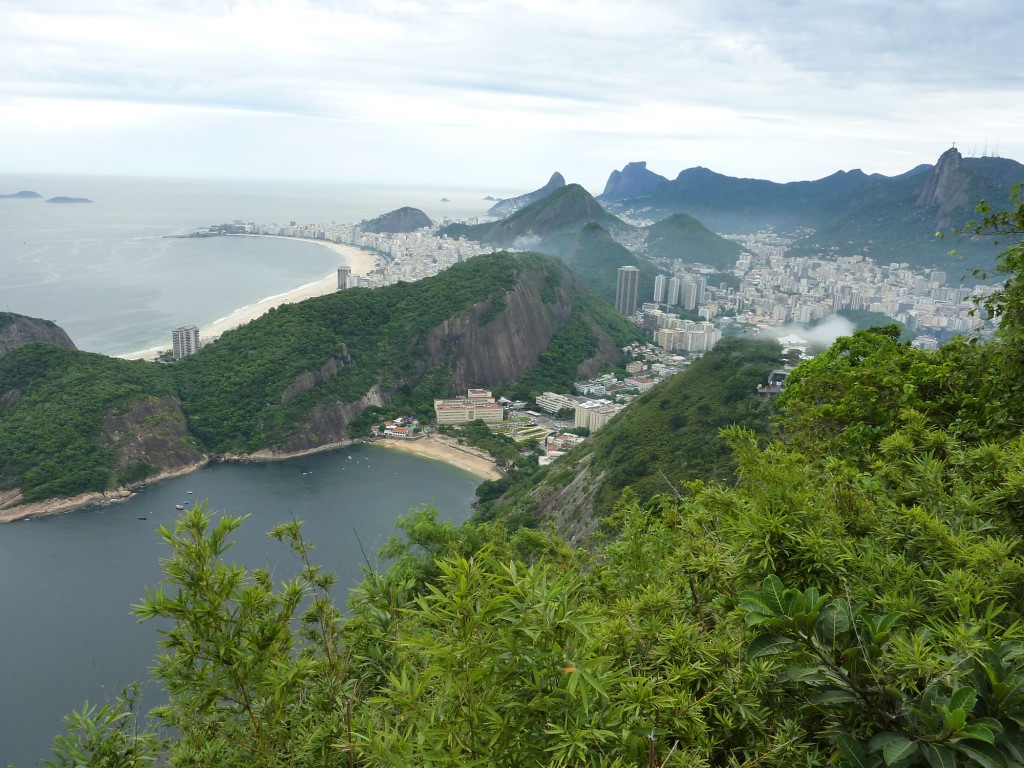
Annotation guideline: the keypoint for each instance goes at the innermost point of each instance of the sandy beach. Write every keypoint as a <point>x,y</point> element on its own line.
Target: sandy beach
<point>359,261</point>
<point>433,449</point>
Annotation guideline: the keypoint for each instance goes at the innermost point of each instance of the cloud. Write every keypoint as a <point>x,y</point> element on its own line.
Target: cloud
<point>780,90</point>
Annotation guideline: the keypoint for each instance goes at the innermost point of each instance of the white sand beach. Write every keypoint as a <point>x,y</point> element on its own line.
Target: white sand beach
<point>442,451</point>
<point>359,261</point>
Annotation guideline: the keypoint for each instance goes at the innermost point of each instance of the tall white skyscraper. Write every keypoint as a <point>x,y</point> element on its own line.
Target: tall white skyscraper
<point>626,290</point>
<point>344,275</point>
<point>673,291</point>
<point>660,284</point>
<point>184,341</point>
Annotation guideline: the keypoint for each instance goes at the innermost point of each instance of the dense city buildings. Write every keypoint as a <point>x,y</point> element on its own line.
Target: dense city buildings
<point>626,288</point>
<point>184,341</point>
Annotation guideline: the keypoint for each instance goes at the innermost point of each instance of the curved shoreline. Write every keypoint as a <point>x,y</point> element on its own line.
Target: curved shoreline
<point>360,261</point>
<point>435,450</point>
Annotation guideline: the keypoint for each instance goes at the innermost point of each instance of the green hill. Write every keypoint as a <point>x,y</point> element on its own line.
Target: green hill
<point>683,237</point>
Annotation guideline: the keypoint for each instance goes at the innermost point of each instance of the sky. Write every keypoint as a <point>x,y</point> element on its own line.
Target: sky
<point>496,94</point>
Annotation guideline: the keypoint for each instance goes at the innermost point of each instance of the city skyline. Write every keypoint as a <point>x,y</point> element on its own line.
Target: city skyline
<point>453,93</point>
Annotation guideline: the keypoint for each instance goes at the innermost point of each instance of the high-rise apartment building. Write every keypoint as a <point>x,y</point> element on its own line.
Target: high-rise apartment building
<point>673,292</point>
<point>660,284</point>
<point>344,276</point>
<point>626,290</point>
<point>184,341</point>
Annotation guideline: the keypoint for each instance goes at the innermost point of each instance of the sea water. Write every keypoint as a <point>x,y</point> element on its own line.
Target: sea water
<point>67,581</point>
<point>108,274</point>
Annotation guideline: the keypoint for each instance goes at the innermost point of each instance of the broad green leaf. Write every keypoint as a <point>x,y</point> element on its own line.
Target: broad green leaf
<point>963,698</point>
<point>768,645</point>
<point>853,753</point>
<point>938,756</point>
<point>773,593</point>
<point>985,755</point>
<point>894,747</point>
<point>954,720</point>
<point>978,732</point>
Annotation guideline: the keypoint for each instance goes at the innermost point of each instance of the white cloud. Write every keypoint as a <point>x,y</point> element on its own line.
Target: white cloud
<point>505,92</point>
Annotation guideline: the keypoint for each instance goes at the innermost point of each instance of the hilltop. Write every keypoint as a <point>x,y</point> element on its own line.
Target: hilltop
<point>510,205</point>
<point>405,219</point>
<point>19,330</point>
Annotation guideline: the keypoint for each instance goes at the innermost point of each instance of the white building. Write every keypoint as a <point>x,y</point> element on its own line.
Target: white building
<point>184,341</point>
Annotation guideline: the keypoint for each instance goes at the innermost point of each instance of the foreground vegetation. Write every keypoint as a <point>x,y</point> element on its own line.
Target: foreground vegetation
<point>854,597</point>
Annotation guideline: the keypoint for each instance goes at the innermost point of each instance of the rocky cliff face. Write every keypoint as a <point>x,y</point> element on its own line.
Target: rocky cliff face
<point>632,181</point>
<point>947,187</point>
<point>485,354</point>
<point>151,435</point>
<point>18,330</point>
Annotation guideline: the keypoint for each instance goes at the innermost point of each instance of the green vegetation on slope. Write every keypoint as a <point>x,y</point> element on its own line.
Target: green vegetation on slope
<point>232,390</point>
<point>683,237</point>
<point>667,436</point>
<point>53,402</point>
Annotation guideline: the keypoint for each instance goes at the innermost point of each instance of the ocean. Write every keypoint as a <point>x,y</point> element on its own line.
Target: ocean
<point>106,272</point>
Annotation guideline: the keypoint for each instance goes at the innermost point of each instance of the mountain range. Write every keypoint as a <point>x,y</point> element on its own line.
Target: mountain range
<point>888,218</point>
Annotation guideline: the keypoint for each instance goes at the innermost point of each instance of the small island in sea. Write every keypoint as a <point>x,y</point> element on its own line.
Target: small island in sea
<point>69,200</point>
<point>23,195</point>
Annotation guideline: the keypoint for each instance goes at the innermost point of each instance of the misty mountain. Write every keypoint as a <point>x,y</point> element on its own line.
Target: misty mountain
<point>512,204</point>
<point>405,219</point>
<point>888,218</point>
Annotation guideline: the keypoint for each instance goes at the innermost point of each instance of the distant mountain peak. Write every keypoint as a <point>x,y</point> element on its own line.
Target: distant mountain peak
<point>945,187</point>
<point>507,207</point>
<point>405,219</point>
<point>634,180</point>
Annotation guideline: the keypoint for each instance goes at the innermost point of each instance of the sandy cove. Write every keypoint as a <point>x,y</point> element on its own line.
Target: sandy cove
<point>431,448</point>
<point>424,447</point>
<point>359,261</point>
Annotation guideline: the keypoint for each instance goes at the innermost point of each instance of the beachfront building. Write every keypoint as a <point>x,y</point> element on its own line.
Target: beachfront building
<point>477,404</point>
<point>344,278</point>
<point>184,341</point>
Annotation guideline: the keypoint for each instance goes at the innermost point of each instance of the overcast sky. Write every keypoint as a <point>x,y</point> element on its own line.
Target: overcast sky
<point>495,94</point>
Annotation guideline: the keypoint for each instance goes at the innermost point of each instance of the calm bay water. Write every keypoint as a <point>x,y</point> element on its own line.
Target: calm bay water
<point>105,272</point>
<point>67,581</point>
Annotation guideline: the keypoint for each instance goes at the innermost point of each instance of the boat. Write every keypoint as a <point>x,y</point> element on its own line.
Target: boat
<point>188,491</point>
<point>140,518</point>
<point>179,506</point>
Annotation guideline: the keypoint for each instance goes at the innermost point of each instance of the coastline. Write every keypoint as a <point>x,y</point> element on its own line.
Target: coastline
<point>430,448</point>
<point>359,261</point>
<point>57,506</point>
<point>427,448</point>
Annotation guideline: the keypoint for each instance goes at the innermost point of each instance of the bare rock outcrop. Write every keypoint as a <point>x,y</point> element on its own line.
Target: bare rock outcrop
<point>151,435</point>
<point>19,330</point>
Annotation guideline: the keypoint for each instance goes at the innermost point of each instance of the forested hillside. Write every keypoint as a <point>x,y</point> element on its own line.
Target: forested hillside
<point>667,436</point>
<point>854,596</point>
<point>302,376</point>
